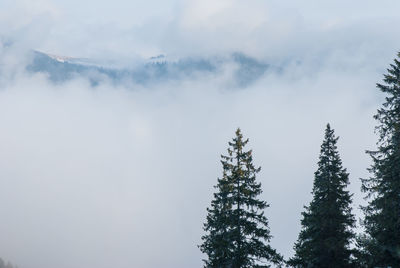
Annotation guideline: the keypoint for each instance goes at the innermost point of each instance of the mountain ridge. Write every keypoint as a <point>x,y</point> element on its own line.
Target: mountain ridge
<point>156,69</point>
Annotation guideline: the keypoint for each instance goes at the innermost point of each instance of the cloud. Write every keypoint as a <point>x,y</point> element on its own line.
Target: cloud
<point>121,175</point>
<point>269,29</point>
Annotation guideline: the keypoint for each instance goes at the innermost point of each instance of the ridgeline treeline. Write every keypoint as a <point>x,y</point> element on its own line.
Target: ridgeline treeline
<point>236,230</point>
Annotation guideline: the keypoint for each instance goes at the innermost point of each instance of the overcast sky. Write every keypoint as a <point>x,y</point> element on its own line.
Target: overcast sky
<point>121,176</point>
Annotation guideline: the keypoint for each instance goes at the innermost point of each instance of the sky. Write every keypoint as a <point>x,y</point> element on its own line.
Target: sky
<point>121,175</point>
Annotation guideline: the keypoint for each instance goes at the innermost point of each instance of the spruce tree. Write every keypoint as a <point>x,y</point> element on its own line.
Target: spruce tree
<point>326,234</point>
<point>381,245</point>
<point>237,232</point>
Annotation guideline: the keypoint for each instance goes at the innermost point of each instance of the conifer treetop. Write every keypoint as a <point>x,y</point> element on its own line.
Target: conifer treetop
<point>381,244</point>
<point>326,234</point>
<point>237,232</point>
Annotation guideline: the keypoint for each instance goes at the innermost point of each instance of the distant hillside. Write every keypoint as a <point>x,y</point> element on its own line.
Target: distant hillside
<point>157,69</point>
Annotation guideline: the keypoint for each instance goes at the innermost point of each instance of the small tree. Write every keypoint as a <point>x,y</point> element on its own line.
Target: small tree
<point>237,230</point>
<point>381,245</point>
<point>326,234</point>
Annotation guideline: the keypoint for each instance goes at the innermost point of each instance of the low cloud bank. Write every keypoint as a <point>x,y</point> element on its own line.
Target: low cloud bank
<point>120,174</point>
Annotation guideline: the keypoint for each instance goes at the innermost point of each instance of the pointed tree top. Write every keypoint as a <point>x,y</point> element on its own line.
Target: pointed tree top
<point>330,133</point>
<point>328,126</point>
<point>238,132</point>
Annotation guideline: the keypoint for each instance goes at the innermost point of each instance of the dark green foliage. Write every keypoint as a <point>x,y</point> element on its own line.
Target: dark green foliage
<point>327,223</point>
<point>237,230</point>
<point>381,246</point>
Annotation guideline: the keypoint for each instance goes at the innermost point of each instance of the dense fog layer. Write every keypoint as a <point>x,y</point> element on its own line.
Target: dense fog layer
<point>121,175</point>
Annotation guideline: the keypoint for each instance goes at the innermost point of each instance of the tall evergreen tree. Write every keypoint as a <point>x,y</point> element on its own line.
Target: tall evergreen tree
<point>326,234</point>
<point>237,232</point>
<point>382,214</point>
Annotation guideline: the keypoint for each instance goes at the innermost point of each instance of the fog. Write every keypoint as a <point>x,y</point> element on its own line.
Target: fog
<point>121,176</point>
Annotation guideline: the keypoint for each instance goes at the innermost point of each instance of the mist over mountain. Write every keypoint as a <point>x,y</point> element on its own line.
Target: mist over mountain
<point>246,70</point>
<point>114,114</point>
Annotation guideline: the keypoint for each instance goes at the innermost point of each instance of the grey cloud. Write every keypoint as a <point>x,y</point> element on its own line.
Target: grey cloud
<point>110,176</point>
<point>121,174</point>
